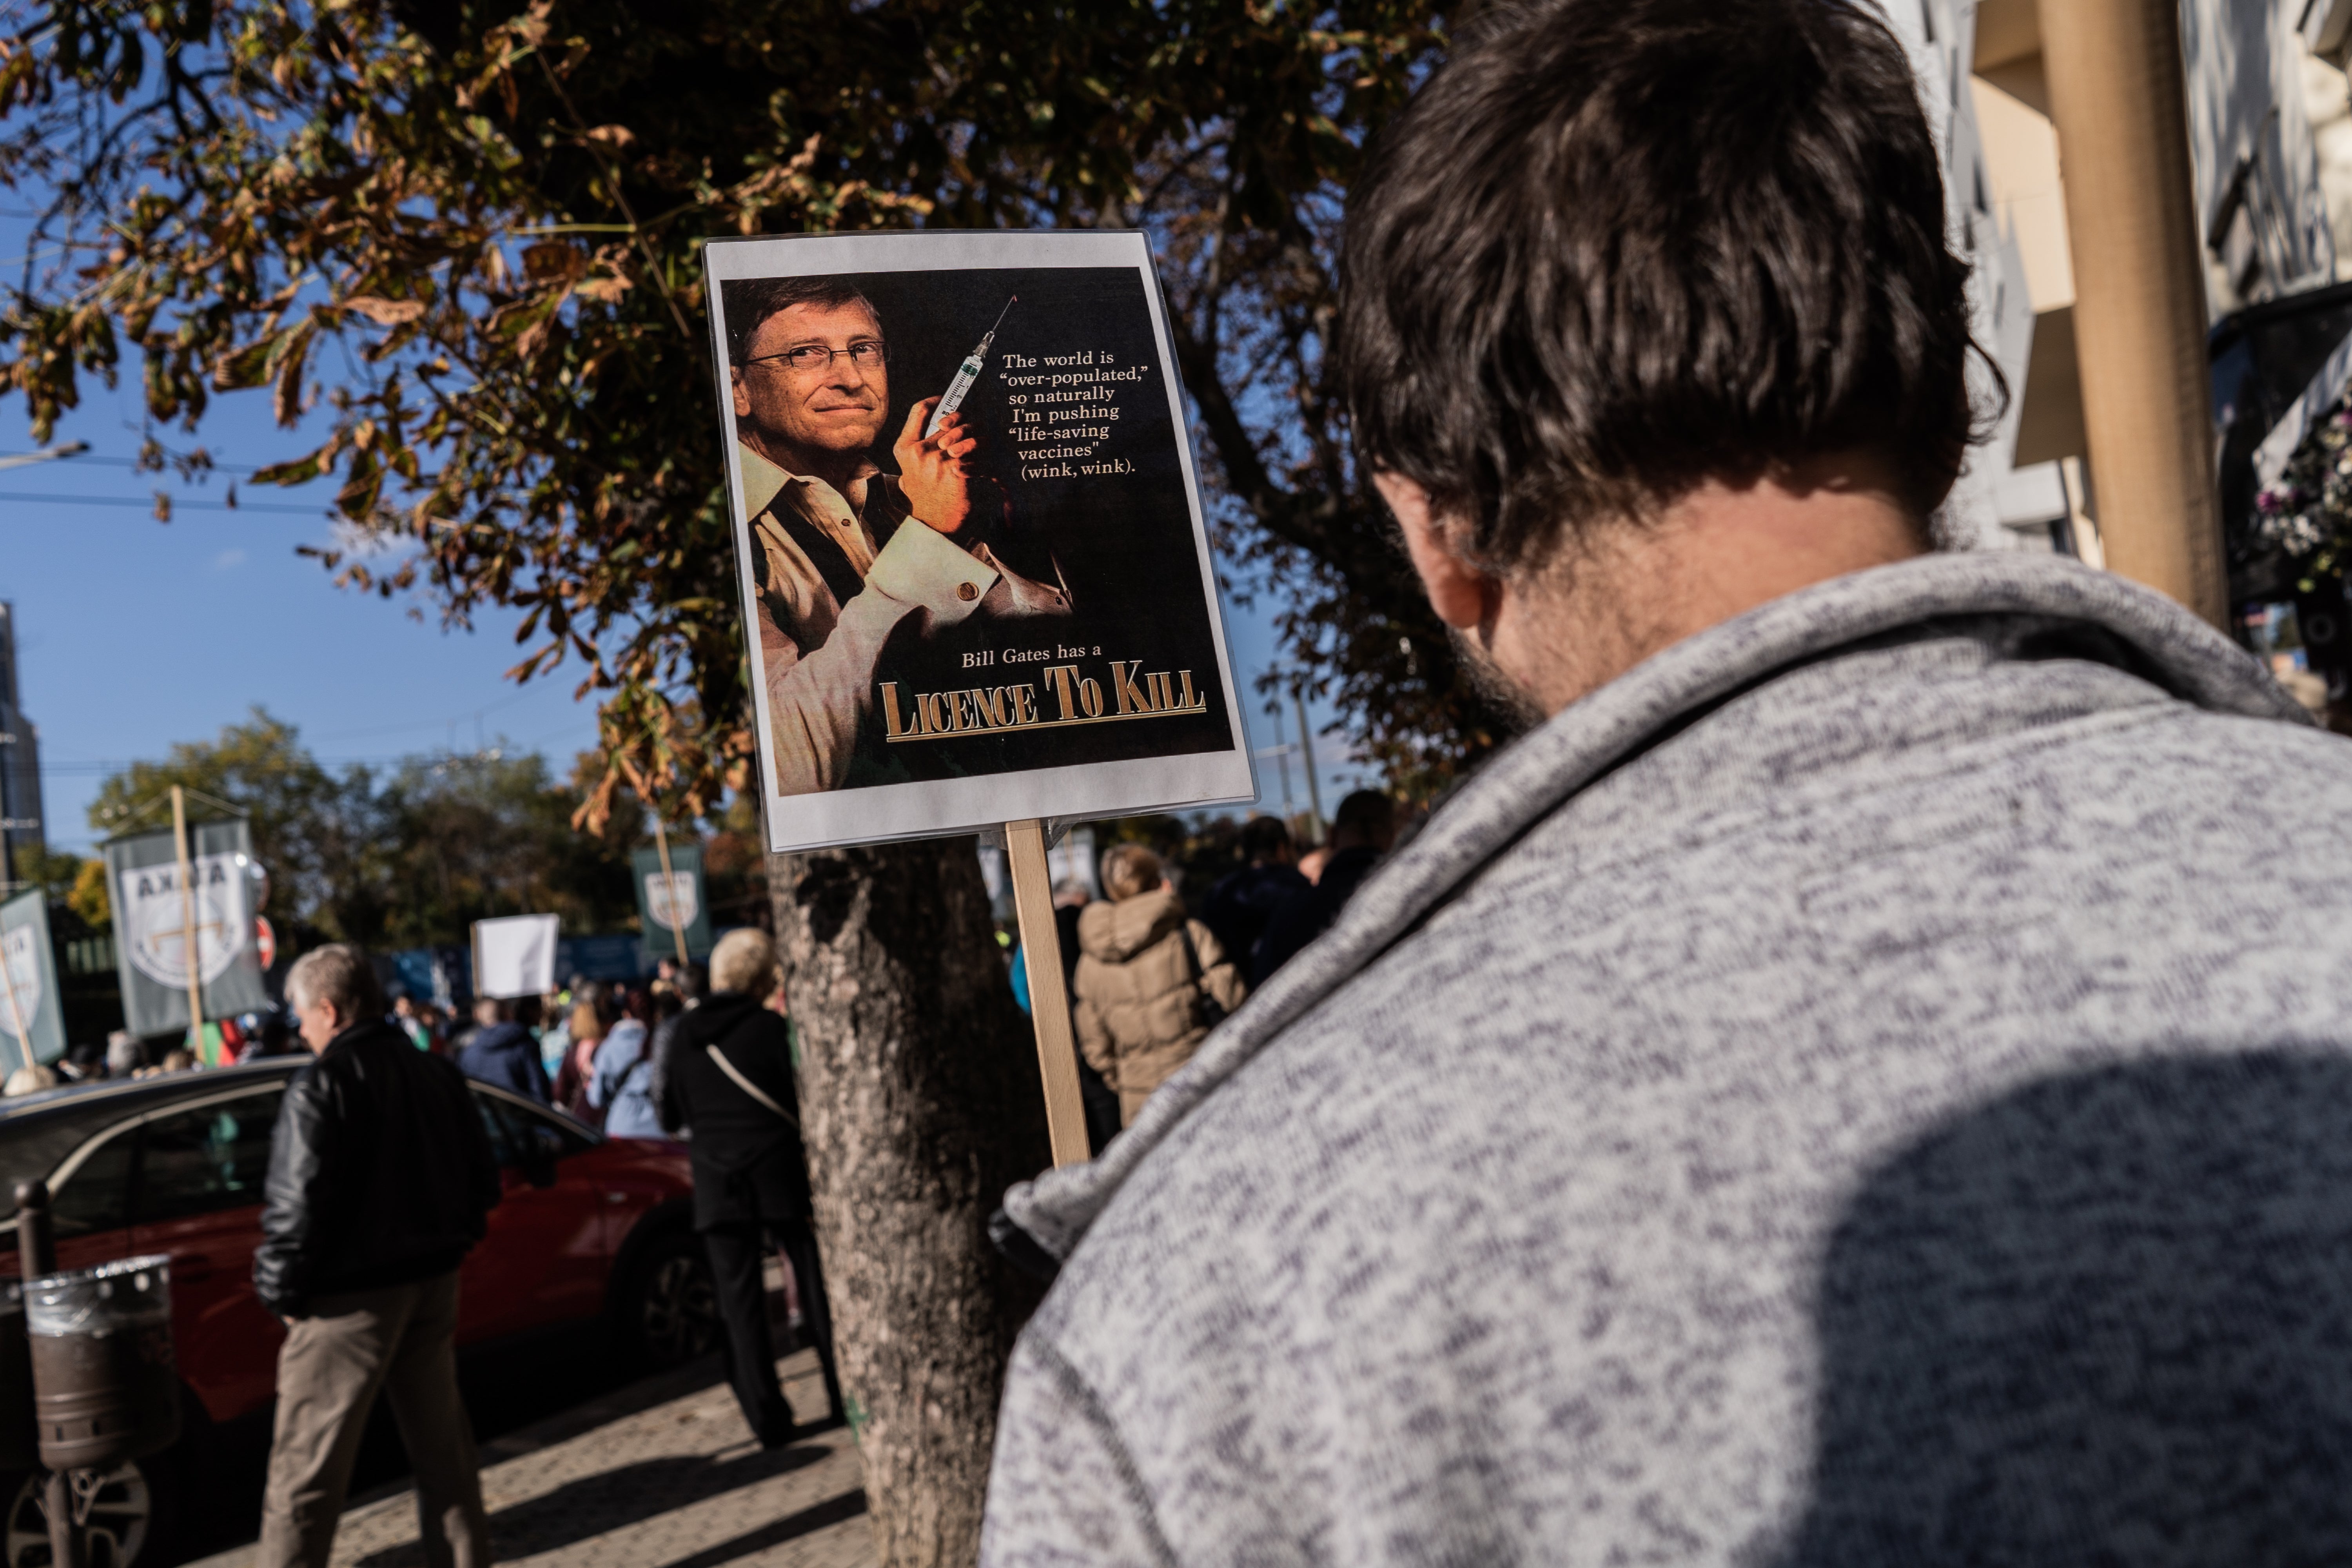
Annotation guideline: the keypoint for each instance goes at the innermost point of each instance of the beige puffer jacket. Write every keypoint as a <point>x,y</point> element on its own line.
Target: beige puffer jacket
<point>1140,1014</point>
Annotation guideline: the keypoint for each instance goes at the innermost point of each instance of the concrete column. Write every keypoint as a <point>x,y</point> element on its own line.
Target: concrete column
<point>2116,98</point>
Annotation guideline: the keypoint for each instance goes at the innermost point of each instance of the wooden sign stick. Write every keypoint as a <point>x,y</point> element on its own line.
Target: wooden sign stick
<point>669,882</point>
<point>188,947</point>
<point>1049,997</point>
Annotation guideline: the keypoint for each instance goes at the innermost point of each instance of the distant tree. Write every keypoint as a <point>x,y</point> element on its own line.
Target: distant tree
<point>53,872</point>
<point>312,833</point>
<point>89,898</point>
<point>411,857</point>
<point>469,838</point>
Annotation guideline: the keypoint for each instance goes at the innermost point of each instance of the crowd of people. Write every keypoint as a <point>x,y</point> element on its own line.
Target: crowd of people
<point>1148,979</point>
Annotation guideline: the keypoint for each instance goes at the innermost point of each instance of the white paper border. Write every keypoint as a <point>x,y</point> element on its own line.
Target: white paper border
<point>935,808</point>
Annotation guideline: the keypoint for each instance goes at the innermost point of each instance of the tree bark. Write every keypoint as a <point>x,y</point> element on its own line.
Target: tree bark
<point>920,1102</point>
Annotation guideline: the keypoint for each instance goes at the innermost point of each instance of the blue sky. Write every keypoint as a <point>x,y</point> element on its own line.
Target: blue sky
<point>134,633</point>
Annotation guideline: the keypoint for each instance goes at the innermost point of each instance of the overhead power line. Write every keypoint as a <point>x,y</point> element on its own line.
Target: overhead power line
<point>147,503</point>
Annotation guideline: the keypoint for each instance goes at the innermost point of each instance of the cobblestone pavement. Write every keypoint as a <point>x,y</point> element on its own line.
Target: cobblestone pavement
<point>662,1474</point>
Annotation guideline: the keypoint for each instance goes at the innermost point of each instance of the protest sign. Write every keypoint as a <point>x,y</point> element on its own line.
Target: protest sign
<point>32,1017</point>
<point>976,580</point>
<point>514,956</point>
<point>154,911</point>
<point>973,560</point>
<point>672,902</point>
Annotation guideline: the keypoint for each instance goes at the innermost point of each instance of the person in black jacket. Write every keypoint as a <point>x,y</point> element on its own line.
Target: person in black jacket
<point>503,1051</point>
<point>380,1176</point>
<point>1363,829</point>
<point>729,1081</point>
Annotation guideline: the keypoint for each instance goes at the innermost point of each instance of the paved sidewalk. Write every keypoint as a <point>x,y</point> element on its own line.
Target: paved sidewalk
<point>662,1474</point>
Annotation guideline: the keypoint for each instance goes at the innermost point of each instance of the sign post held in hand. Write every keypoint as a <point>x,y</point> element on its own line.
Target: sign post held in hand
<point>669,880</point>
<point>1049,998</point>
<point>188,925</point>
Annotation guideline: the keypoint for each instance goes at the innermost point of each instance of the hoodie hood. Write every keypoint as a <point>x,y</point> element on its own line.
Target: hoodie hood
<point>2034,606</point>
<point>1113,933</point>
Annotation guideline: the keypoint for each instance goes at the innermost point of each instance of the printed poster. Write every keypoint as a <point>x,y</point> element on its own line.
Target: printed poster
<point>32,1017</point>
<point>671,903</point>
<point>974,565</point>
<point>153,946</point>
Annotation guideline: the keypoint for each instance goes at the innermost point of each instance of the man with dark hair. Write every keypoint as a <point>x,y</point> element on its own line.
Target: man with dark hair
<point>1242,902</point>
<point>1362,830</point>
<point>836,572</point>
<point>380,1177</point>
<point>1862,1081</point>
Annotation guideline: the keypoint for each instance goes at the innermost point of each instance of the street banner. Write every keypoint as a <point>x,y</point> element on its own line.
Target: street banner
<point>32,1017</point>
<point>674,902</point>
<point>151,924</point>
<point>969,532</point>
<point>514,956</point>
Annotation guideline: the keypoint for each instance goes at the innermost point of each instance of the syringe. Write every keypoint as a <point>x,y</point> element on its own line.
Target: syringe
<point>966,374</point>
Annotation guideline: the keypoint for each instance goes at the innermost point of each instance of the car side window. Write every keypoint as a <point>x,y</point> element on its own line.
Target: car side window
<point>502,1143</point>
<point>97,1196</point>
<point>514,1129</point>
<point>202,1161</point>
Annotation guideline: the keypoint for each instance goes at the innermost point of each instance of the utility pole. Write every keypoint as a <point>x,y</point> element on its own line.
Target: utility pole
<point>2119,98</point>
<point>1307,752</point>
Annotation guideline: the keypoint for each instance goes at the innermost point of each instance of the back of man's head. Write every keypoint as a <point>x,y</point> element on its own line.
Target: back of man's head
<point>1616,248</point>
<point>340,975</point>
<point>1366,817</point>
<point>1267,842</point>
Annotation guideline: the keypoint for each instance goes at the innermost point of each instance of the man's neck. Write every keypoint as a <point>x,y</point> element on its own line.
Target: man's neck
<point>842,471</point>
<point>1633,590</point>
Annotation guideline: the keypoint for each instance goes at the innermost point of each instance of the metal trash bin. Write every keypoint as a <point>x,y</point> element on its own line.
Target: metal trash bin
<point>17,1428</point>
<point>105,1382</point>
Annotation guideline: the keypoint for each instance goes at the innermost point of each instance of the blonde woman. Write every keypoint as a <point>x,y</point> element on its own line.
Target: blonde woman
<point>1151,982</point>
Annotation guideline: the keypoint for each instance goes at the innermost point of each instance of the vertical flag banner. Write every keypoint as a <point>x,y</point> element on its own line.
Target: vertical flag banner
<point>515,956</point>
<point>153,946</point>
<point>32,1017</point>
<point>680,902</point>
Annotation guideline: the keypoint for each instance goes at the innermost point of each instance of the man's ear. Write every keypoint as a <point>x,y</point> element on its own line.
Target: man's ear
<point>1457,591</point>
<point>742,398</point>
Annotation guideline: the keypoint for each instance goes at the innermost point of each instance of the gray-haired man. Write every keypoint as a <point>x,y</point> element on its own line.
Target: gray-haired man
<point>379,1174</point>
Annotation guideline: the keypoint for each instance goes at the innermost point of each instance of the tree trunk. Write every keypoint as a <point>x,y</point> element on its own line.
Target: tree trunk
<point>920,1103</point>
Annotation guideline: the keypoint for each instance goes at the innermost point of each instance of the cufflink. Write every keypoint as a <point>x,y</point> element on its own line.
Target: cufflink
<point>966,592</point>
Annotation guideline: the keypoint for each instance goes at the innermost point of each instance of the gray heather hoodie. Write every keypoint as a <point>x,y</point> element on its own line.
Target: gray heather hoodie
<point>1868,1087</point>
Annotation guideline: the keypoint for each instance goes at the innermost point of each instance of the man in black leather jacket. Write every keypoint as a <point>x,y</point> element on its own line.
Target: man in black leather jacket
<point>380,1175</point>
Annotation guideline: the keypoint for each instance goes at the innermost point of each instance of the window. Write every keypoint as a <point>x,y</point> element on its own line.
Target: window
<point>97,1196</point>
<point>212,1158</point>
<point>513,1128</point>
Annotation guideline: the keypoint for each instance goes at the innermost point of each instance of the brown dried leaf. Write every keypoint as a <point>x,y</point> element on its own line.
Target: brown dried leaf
<point>552,261</point>
<point>384,312</point>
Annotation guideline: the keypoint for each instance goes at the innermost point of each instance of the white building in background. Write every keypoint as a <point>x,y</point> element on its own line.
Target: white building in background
<point>2270,137</point>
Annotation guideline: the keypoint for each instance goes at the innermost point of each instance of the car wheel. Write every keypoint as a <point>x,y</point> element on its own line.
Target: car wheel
<point>124,1517</point>
<point>670,1314</point>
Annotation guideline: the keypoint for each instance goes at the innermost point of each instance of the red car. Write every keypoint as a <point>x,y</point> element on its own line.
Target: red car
<point>592,1231</point>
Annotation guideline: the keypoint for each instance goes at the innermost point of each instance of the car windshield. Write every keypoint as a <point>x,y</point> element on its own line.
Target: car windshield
<point>32,1147</point>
